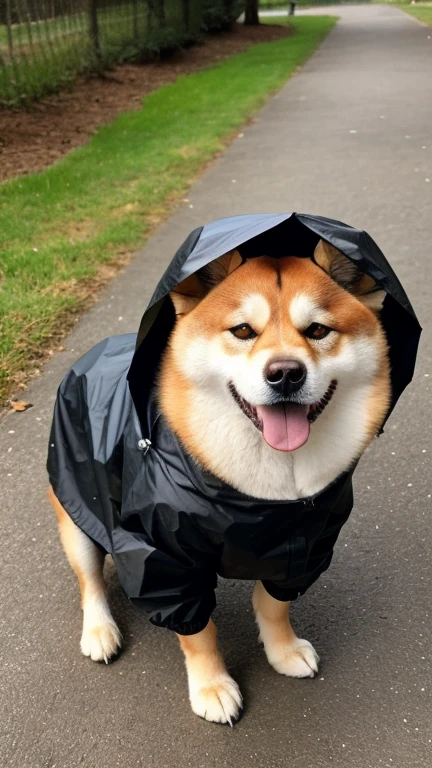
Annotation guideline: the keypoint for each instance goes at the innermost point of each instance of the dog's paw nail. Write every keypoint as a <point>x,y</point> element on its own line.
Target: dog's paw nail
<point>299,659</point>
<point>101,643</point>
<point>218,702</point>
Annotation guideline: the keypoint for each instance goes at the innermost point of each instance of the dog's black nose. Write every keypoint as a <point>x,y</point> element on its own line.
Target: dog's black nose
<point>285,376</point>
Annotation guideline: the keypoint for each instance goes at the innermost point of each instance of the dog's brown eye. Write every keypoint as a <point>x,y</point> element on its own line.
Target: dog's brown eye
<point>317,331</point>
<point>243,332</point>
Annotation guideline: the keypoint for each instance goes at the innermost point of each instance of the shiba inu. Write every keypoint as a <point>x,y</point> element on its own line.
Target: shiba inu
<point>274,380</point>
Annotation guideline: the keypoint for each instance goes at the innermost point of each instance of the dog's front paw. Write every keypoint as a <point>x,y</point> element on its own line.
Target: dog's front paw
<point>101,642</point>
<point>296,659</point>
<point>218,701</point>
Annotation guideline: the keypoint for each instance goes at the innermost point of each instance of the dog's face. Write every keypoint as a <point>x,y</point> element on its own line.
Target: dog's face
<point>277,341</point>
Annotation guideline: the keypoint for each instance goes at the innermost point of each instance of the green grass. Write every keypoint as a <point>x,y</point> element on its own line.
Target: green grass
<point>421,11</point>
<point>283,4</point>
<point>58,227</point>
<point>269,4</point>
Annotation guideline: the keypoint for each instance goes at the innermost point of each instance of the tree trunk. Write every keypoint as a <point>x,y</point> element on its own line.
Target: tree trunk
<point>186,15</point>
<point>135,20</point>
<point>93,22</point>
<point>251,13</point>
<point>9,27</point>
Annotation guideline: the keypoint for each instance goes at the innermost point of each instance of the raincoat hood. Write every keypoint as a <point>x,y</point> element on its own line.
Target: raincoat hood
<point>126,481</point>
<point>275,235</point>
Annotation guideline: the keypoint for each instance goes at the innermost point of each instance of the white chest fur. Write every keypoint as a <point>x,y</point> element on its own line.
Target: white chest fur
<point>237,453</point>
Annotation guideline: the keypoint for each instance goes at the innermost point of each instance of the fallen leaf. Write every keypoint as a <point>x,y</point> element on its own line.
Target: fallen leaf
<point>19,405</point>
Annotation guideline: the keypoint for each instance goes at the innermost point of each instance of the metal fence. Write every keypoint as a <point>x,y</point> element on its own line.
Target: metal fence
<point>44,44</point>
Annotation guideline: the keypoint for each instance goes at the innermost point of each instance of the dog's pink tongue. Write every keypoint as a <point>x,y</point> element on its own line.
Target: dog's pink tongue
<point>285,426</point>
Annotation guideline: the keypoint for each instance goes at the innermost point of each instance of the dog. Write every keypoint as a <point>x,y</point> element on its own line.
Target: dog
<point>274,381</point>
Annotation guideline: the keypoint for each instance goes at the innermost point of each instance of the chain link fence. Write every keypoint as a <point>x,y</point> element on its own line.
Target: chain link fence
<point>45,44</point>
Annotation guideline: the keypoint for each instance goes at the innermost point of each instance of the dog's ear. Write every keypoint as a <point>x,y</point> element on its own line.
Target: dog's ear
<point>346,274</point>
<point>188,294</point>
<point>211,275</point>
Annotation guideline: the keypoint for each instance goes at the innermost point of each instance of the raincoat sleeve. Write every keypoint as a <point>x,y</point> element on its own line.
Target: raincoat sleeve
<point>165,561</point>
<point>165,557</point>
<point>175,597</point>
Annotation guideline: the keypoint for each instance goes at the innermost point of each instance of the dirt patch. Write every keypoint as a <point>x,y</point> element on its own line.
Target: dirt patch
<point>34,138</point>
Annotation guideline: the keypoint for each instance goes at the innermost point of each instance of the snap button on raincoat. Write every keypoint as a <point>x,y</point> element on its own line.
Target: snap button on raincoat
<point>124,478</point>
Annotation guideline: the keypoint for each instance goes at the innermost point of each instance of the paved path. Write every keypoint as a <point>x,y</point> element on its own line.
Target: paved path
<point>349,137</point>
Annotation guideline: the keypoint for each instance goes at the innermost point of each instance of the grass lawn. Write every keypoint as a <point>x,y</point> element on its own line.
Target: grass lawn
<point>60,227</point>
<point>421,11</point>
<point>280,5</point>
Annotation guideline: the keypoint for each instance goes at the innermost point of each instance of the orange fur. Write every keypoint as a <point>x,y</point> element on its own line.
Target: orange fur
<point>216,312</point>
<point>287,653</point>
<point>213,693</point>
<point>101,637</point>
<point>202,651</point>
<point>68,536</point>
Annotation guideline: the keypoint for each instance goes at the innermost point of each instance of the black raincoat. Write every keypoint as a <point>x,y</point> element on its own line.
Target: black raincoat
<point>123,477</point>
